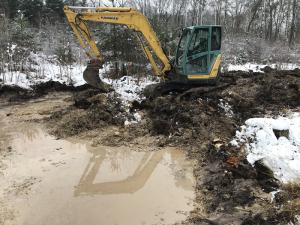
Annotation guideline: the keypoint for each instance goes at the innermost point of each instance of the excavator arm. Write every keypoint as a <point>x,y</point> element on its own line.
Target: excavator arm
<point>134,20</point>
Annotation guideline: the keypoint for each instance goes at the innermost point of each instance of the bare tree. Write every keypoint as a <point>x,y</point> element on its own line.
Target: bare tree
<point>293,24</point>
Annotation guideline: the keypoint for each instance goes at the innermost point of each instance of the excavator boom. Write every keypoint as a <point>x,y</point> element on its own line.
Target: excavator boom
<point>134,20</point>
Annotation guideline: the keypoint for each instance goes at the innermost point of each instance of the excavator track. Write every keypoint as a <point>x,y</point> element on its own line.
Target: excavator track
<point>186,90</point>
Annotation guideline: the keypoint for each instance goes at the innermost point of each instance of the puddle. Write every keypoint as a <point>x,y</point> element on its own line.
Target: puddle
<point>60,182</point>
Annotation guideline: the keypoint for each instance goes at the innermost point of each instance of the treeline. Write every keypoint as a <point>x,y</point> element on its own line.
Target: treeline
<point>37,12</point>
<point>34,26</point>
<point>268,19</point>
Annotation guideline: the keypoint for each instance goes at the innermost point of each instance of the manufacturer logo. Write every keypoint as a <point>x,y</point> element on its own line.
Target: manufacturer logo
<point>109,17</point>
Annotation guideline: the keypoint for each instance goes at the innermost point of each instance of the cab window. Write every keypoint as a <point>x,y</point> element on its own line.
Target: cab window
<point>181,47</point>
<point>199,41</point>
<point>216,39</point>
<point>198,44</point>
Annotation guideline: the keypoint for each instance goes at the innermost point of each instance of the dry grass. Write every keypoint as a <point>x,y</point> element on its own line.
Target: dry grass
<point>292,188</point>
<point>291,198</point>
<point>287,204</point>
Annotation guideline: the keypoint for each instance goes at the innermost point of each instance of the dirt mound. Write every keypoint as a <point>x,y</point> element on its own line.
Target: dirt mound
<point>51,86</point>
<point>187,121</point>
<point>195,117</point>
<point>12,93</point>
<point>16,93</point>
<point>252,94</point>
<point>255,94</point>
<point>91,110</point>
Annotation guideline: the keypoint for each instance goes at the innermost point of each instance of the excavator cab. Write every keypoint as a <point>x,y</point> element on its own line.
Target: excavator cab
<point>198,55</point>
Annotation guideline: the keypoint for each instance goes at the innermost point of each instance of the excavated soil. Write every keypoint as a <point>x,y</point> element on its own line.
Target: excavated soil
<point>19,94</point>
<point>202,121</point>
<point>190,118</point>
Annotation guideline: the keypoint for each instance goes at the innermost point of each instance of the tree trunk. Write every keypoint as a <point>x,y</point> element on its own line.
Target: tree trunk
<point>254,13</point>
<point>293,25</point>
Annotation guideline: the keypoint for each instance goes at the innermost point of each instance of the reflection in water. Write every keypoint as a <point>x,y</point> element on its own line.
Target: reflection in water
<point>142,167</point>
<point>32,133</point>
<point>131,184</point>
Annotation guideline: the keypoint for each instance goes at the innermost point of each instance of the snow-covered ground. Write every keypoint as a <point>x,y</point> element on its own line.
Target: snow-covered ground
<point>257,67</point>
<point>281,154</point>
<point>43,70</point>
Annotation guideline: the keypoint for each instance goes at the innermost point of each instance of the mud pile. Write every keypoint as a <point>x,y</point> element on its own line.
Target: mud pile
<point>192,122</point>
<point>199,114</point>
<point>252,93</point>
<point>194,117</point>
<point>16,93</point>
<point>258,93</point>
<point>91,110</point>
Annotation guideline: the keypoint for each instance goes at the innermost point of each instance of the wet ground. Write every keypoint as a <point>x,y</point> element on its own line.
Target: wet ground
<point>45,180</point>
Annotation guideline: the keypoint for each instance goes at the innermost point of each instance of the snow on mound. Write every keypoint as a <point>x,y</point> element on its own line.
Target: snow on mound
<point>128,87</point>
<point>70,74</point>
<point>276,141</point>
<point>258,67</point>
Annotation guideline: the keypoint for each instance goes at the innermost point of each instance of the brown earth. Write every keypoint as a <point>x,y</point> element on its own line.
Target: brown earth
<point>233,192</point>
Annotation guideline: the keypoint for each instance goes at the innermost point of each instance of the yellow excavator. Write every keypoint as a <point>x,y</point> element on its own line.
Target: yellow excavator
<point>198,54</point>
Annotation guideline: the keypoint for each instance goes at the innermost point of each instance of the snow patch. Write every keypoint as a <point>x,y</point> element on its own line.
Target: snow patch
<point>137,118</point>
<point>281,154</point>
<point>258,67</point>
<point>226,107</point>
<point>129,88</point>
<point>46,68</point>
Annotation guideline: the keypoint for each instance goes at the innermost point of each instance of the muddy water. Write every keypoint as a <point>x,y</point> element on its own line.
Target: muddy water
<point>61,182</point>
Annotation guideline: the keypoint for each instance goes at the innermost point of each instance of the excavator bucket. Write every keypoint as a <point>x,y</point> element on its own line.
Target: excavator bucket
<point>91,75</point>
